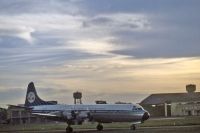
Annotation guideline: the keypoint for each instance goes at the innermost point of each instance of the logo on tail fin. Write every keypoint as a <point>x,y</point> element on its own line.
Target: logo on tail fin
<point>31,97</point>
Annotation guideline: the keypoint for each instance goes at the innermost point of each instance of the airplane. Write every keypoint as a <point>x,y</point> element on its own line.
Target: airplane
<point>79,113</point>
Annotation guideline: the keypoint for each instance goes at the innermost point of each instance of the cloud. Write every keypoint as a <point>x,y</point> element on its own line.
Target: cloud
<point>97,46</point>
<point>45,27</point>
<point>14,7</point>
<point>12,95</point>
<point>21,32</point>
<point>41,22</point>
<point>100,75</point>
<point>118,22</point>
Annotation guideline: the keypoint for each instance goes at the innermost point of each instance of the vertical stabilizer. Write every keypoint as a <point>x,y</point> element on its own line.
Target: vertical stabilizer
<point>32,99</point>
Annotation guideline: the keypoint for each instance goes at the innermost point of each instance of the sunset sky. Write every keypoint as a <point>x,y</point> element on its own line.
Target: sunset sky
<point>113,50</point>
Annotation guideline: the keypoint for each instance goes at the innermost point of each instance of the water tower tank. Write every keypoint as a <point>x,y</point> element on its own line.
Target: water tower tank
<point>77,97</point>
<point>190,88</point>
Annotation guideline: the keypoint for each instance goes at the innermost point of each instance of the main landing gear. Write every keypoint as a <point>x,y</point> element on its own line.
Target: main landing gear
<point>133,127</point>
<point>99,127</point>
<point>69,129</point>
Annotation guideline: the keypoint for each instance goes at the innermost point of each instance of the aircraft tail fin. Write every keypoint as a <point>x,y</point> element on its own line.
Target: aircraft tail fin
<point>32,99</point>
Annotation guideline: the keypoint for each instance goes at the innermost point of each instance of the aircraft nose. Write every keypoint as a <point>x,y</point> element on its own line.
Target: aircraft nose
<point>145,116</point>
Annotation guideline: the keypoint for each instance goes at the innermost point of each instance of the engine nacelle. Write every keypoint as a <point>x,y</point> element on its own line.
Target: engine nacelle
<point>83,115</point>
<point>76,117</point>
<point>67,114</point>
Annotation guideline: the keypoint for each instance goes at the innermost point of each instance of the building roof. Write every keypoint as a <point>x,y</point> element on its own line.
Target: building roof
<point>171,97</point>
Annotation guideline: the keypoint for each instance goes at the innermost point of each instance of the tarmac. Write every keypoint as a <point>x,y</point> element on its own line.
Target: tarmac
<point>166,129</point>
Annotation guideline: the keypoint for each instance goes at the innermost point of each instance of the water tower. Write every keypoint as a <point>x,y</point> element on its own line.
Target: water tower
<point>191,88</point>
<point>77,97</point>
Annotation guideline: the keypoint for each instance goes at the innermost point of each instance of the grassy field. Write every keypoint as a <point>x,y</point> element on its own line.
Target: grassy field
<point>61,126</point>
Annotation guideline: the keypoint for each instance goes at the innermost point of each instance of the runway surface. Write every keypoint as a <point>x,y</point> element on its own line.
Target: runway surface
<point>167,129</point>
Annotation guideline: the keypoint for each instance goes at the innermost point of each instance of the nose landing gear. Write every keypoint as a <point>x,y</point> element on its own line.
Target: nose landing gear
<point>99,127</point>
<point>69,129</point>
<point>133,127</point>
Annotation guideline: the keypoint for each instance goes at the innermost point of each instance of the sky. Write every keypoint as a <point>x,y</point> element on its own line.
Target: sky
<point>113,50</point>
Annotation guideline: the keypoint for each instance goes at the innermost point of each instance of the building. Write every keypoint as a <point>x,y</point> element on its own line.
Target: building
<point>173,104</point>
<point>3,116</point>
<point>22,115</point>
<point>100,102</point>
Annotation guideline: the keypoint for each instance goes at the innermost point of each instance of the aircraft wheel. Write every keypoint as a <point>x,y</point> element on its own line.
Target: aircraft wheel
<point>69,129</point>
<point>99,127</point>
<point>133,127</point>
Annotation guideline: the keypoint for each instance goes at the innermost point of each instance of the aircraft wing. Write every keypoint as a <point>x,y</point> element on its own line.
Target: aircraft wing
<point>45,115</point>
<point>72,116</point>
<point>56,116</point>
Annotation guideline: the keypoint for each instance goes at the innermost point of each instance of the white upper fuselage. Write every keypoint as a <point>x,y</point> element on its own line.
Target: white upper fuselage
<point>82,107</point>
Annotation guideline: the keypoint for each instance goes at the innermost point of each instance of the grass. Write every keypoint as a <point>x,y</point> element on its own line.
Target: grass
<point>61,126</point>
<point>182,121</point>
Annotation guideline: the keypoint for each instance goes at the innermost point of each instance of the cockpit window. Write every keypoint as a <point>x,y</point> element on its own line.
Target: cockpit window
<point>136,108</point>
